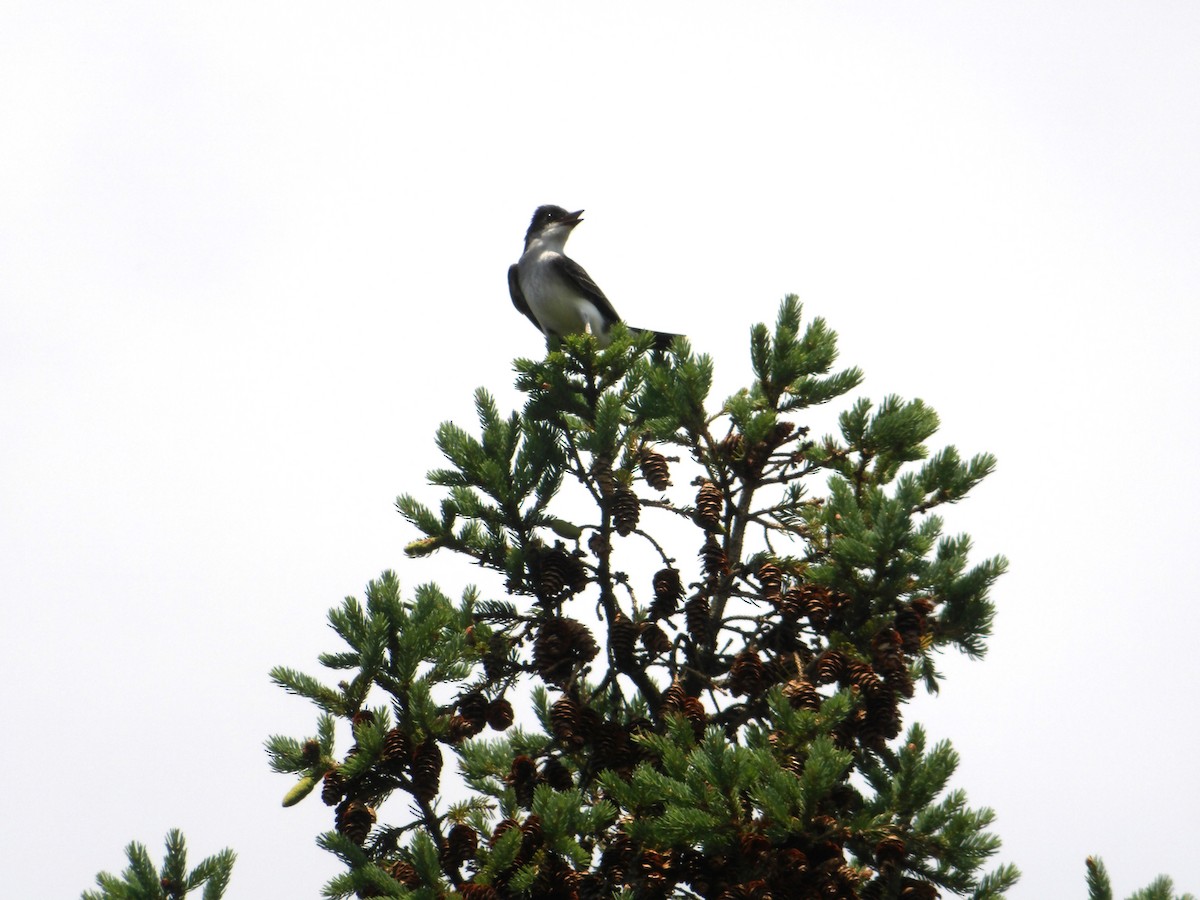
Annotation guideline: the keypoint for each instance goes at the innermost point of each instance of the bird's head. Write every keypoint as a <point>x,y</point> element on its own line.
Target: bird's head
<point>552,224</point>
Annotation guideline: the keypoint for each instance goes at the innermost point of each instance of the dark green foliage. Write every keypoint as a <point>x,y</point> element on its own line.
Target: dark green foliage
<point>1100,888</point>
<point>141,881</point>
<point>710,623</point>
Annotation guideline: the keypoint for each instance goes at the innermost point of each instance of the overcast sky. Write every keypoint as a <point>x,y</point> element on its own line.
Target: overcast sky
<point>251,254</point>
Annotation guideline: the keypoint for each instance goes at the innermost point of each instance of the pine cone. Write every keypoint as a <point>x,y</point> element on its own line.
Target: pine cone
<point>474,707</point>
<point>552,576</point>
<point>599,544</point>
<point>817,602</point>
<point>459,729</point>
<point>847,731</point>
<point>693,867</point>
<point>654,469</point>
<point>557,775</point>
<point>923,606</point>
<point>603,474</point>
<point>496,661</point>
<point>558,573</point>
<point>610,745</point>
<point>755,889</point>
<point>708,506</point>
<point>755,460</point>
<point>754,847</point>
<point>362,717</point>
<point>461,844</point>
<point>625,509</point>
<point>668,590</point>
<point>523,776</point>
<point>405,873</point>
<point>354,819</point>
<point>653,869</point>
<point>733,445</point>
<point>501,827</point>
<point>788,871</point>
<point>859,674</point>
<point>499,714</point>
<point>673,697</point>
<point>654,639</point>
<point>829,667</point>
<point>617,859</point>
<point>902,684</point>
<point>589,723</point>
<point>802,695</point>
<point>887,652</point>
<point>747,677</point>
<point>562,645</point>
<point>889,851</point>
<point>693,711</point>
<point>791,606</point>
<point>472,891</point>
<point>917,890</point>
<point>771,580</point>
<point>622,638</point>
<point>397,752</point>
<point>716,563</point>
<point>555,881</point>
<point>565,721</point>
<point>532,829</point>
<point>910,625</point>
<point>881,720</point>
<point>696,612</point>
<point>333,788</point>
<point>426,769</point>
<point>575,573</point>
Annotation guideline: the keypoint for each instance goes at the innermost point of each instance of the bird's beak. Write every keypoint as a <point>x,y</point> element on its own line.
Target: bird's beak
<point>574,219</point>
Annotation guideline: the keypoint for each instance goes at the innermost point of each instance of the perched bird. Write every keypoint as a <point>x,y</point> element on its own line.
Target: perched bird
<point>554,291</point>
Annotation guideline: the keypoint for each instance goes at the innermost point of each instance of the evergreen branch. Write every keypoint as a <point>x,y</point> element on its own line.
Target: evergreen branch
<point>306,686</point>
<point>1099,886</point>
<point>141,881</point>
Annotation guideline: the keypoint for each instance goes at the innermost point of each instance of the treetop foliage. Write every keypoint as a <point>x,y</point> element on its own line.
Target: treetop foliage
<point>692,682</point>
<point>711,621</point>
<point>141,881</point>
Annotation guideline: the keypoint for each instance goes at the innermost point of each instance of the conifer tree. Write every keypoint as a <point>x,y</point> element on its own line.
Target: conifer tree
<point>692,680</point>
<point>141,881</point>
<point>1100,888</point>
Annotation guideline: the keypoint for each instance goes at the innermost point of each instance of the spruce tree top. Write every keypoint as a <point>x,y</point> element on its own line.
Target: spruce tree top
<point>710,623</point>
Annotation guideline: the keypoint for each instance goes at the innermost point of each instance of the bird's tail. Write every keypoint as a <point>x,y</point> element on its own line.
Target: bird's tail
<point>662,339</point>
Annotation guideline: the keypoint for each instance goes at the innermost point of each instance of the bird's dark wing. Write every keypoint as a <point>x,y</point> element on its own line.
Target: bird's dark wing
<point>518,298</point>
<point>573,273</point>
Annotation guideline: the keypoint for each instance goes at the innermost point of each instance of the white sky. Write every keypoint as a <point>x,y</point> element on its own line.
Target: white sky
<point>251,254</point>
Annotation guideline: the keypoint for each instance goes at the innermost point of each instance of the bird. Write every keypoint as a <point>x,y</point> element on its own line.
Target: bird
<point>555,292</point>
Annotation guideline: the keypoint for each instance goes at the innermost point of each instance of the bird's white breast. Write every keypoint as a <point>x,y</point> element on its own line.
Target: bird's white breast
<point>555,302</point>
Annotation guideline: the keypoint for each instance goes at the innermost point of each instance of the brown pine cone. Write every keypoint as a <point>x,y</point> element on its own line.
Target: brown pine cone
<point>708,506</point>
<point>354,819</point>
<point>668,590</point>
<point>625,510</point>
<point>426,769</point>
<point>499,714</point>
<point>654,469</point>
